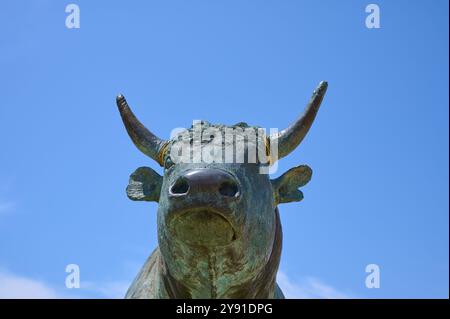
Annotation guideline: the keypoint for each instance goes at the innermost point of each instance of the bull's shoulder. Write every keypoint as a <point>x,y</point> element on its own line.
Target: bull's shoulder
<point>145,284</point>
<point>278,294</point>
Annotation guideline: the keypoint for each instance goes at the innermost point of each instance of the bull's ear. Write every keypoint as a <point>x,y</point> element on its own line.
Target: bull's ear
<point>144,185</point>
<point>286,186</point>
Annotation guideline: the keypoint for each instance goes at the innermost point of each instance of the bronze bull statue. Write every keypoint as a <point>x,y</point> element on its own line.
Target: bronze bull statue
<point>219,229</point>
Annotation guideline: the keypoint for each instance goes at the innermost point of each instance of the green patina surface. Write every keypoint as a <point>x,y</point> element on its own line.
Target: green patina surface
<point>219,231</point>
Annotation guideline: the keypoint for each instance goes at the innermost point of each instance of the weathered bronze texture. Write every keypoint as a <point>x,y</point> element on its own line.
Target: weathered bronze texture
<point>219,229</point>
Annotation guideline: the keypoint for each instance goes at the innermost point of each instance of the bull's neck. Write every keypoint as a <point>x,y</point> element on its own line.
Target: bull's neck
<point>262,285</point>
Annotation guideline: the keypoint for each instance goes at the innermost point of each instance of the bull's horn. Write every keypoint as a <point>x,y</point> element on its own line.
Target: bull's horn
<point>146,141</point>
<point>291,137</point>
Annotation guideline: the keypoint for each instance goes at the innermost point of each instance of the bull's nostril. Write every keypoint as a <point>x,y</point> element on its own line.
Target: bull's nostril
<point>181,186</point>
<point>229,189</point>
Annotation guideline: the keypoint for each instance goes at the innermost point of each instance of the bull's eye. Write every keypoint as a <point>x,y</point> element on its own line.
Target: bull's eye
<point>168,163</point>
<point>229,189</point>
<point>181,186</point>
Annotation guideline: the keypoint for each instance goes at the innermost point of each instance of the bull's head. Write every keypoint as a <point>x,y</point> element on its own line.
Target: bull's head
<point>218,225</point>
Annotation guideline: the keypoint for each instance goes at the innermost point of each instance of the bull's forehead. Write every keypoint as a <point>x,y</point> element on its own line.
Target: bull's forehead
<point>238,170</point>
<point>217,143</point>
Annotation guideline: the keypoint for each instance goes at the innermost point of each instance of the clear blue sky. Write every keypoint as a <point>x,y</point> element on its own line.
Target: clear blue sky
<point>378,148</point>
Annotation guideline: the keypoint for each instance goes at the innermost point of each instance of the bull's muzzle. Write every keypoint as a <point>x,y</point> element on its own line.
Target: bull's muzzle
<point>205,181</point>
<point>202,202</point>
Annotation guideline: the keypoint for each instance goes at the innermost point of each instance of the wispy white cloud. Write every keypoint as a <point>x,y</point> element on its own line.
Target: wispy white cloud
<point>6,207</point>
<point>109,290</point>
<point>307,288</point>
<point>13,286</point>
